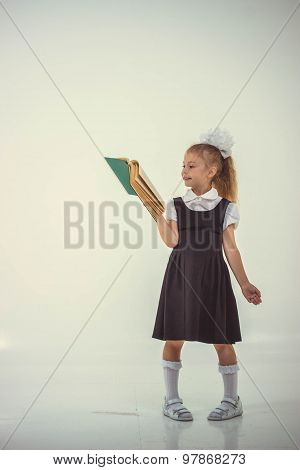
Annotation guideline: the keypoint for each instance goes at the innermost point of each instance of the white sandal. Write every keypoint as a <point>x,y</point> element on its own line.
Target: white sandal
<point>229,408</point>
<point>174,409</point>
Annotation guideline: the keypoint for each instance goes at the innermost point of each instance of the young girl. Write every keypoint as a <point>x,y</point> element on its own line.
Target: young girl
<point>197,302</point>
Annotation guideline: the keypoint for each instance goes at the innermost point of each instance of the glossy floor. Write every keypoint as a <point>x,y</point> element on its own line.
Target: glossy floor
<point>117,404</point>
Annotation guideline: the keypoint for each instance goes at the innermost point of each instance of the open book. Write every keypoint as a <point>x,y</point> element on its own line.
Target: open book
<point>135,182</point>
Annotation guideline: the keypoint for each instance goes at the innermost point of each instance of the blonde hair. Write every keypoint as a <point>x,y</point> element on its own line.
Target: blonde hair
<point>225,180</point>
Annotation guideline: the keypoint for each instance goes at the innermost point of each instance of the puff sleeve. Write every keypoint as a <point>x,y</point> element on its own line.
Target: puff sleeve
<point>232,216</point>
<point>170,211</point>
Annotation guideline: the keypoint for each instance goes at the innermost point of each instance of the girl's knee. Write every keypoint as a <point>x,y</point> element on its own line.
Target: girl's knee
<point>223,347</point>
<point>176,344</point>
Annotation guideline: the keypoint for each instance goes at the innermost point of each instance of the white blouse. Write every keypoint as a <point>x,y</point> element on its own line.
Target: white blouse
<point>206,201</point>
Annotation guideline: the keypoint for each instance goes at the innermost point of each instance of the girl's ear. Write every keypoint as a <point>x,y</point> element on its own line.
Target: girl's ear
<point>212,171</point>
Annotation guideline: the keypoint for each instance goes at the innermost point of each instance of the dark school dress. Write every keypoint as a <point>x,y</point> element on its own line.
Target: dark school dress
<point>197,302</point>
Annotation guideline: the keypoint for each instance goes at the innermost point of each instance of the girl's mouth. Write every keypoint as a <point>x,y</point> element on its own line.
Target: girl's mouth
<point>187,179</point>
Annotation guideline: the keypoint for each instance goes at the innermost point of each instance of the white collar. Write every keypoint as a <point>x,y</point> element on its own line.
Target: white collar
<point>190,195</point>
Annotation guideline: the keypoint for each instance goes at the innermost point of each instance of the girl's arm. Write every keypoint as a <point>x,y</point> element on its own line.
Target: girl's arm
<point>234,259</point>
<point>168,231</point>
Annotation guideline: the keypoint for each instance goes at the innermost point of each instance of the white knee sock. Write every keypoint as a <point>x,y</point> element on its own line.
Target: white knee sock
<point>230,379</point>
<point>171,373</point>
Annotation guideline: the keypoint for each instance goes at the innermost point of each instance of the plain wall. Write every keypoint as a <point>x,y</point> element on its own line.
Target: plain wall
<point>142,80</point>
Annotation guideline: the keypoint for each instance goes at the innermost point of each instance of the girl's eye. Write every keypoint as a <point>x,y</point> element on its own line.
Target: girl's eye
<point>191,166</point>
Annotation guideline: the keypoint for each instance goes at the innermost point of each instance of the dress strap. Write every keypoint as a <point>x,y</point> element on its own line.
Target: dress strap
<point>180,207</point>
<point>222,206</point>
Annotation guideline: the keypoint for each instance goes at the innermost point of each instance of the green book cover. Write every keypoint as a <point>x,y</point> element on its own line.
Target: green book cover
<point>121,170</point>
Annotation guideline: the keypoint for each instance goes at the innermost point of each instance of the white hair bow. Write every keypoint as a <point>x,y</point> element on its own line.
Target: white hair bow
<point>220,139</point>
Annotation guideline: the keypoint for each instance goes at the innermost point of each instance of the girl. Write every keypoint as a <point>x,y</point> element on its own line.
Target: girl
<point>197,302</point>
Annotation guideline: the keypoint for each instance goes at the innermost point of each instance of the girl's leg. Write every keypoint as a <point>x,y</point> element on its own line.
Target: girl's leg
<point>228,367</point>
<point>173,406</point>
<point>171,363</point>
<point>231,405</point>
<point>172,350</point>
<point>226,354</point>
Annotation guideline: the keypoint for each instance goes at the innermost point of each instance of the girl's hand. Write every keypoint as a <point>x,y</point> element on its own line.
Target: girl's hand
<point>251,293</point>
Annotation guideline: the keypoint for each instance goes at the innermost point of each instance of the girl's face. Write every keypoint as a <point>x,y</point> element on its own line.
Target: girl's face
<point>195,172</point>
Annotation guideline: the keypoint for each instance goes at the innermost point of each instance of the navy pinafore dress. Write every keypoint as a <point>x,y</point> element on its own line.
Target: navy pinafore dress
<point>197,302</point>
